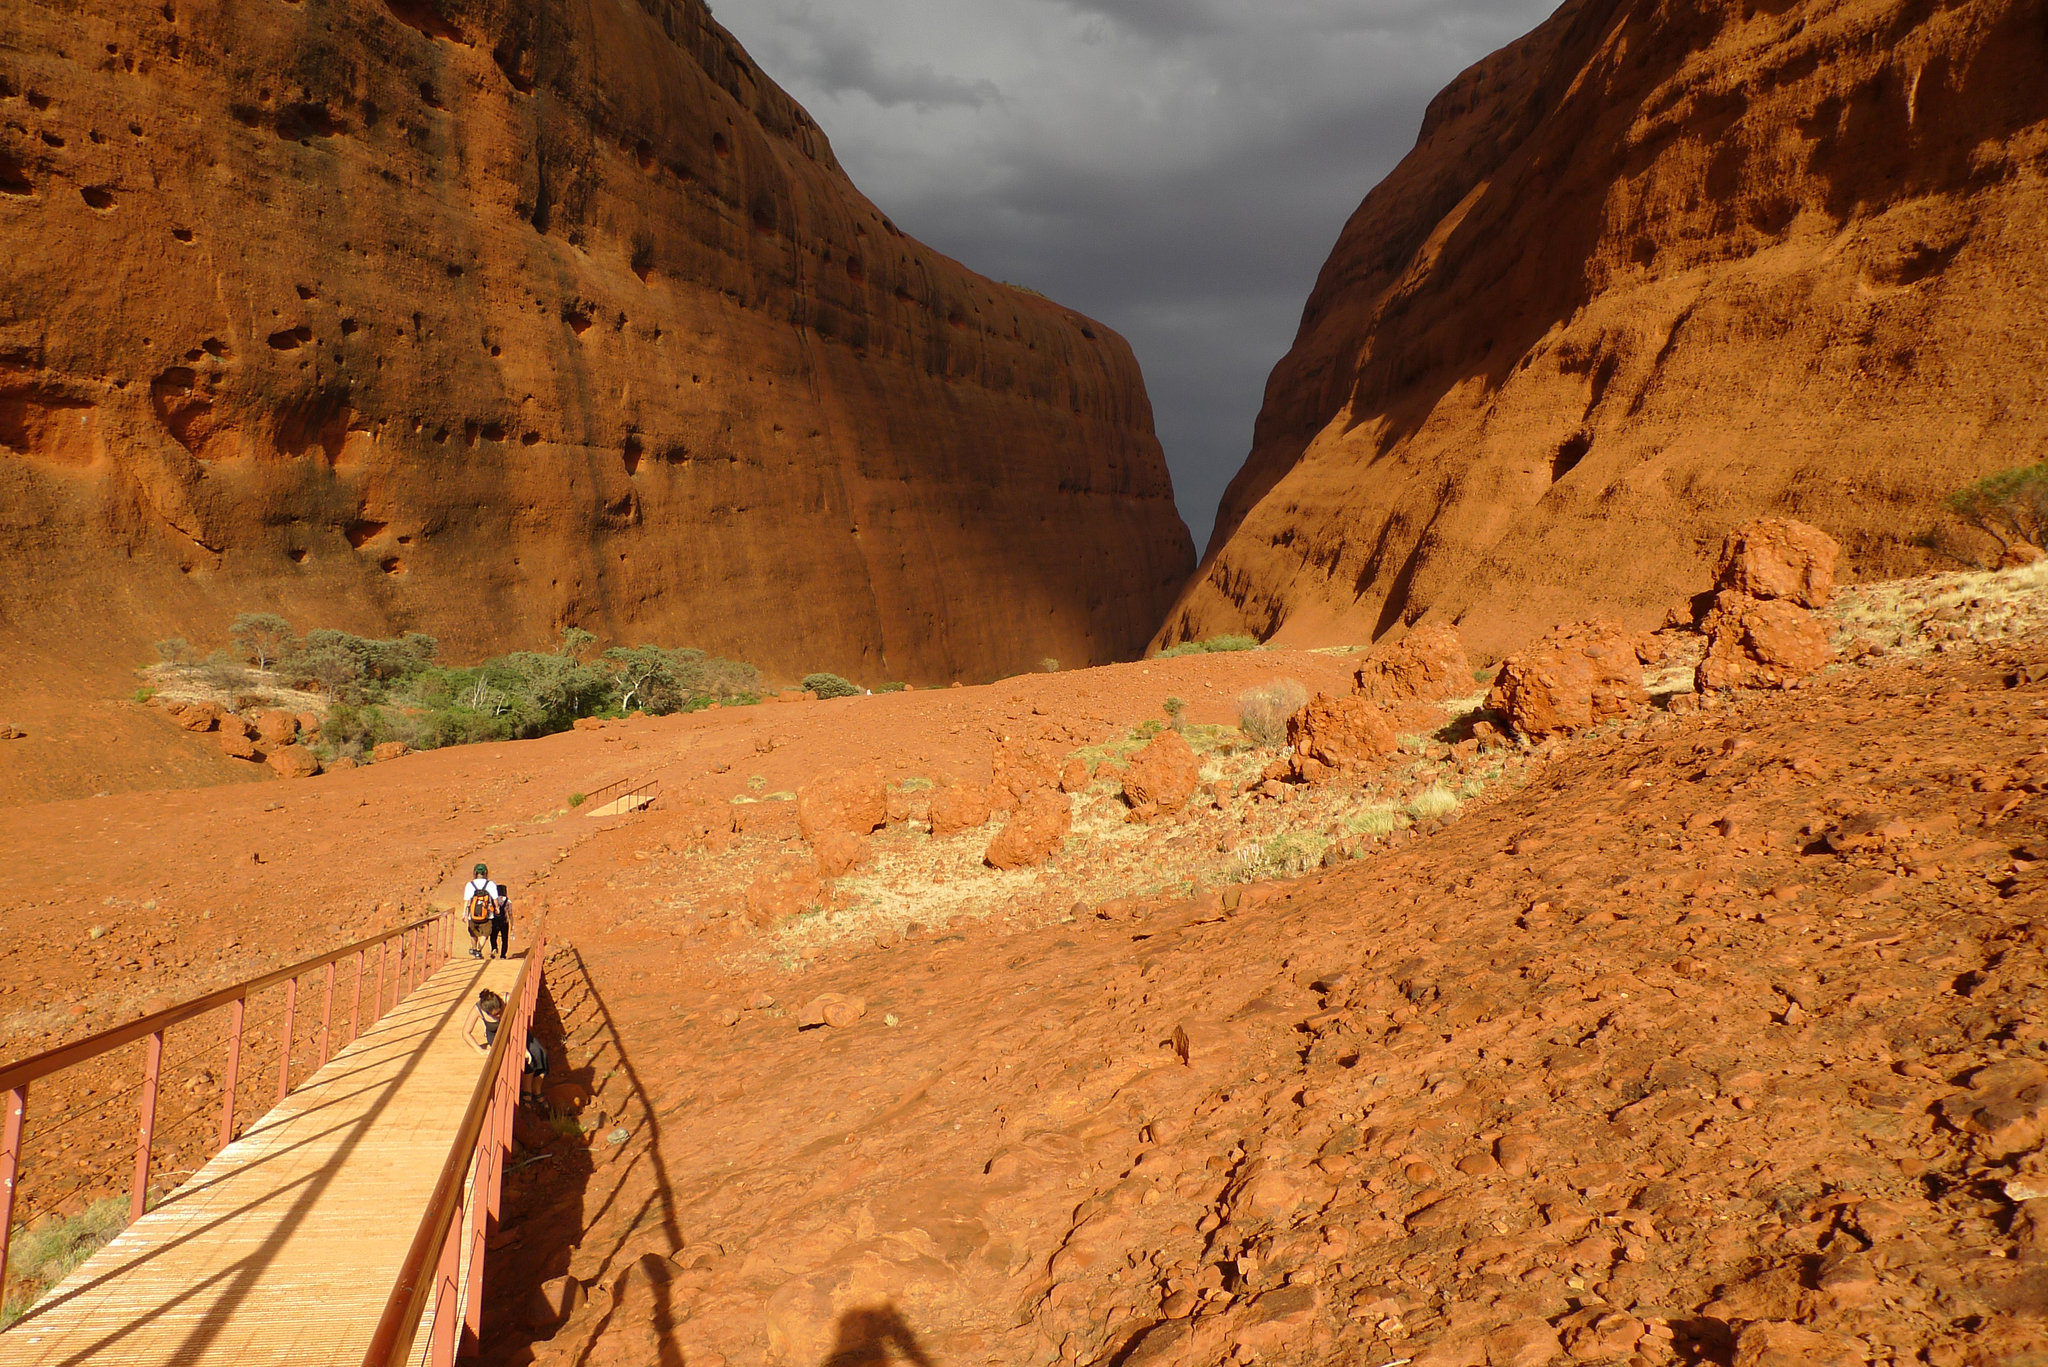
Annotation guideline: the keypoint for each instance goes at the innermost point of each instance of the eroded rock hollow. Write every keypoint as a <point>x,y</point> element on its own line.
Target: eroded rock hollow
<point>1650,271</point>
<point>486,317</point>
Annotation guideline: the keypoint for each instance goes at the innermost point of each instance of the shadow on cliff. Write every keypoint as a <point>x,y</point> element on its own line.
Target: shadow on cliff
<point>875,1336</point>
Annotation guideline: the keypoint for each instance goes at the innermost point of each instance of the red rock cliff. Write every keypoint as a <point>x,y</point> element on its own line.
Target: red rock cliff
<point>1652,270</point>
<point>484,317</point>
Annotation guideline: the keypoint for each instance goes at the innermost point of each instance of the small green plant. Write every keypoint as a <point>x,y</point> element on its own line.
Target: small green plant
<point>144,694</point>
<point>915,783</point>
<point>1214,645</point>
<point>756,783</point>
<point>44,1255</point>
<point>1049,665</point>
<point>1174,707</point>
<point>578,799</point>
<point>830,686</point>
<point>2011,505</point>
<point>1262,712</point>
<point>892,688</point>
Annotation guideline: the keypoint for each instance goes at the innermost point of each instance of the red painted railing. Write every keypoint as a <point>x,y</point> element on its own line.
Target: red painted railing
<point>422,941</point>
<point>462,1214</point>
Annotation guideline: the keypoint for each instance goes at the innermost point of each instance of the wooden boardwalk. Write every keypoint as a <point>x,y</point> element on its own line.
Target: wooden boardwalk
<point>284,1248</point>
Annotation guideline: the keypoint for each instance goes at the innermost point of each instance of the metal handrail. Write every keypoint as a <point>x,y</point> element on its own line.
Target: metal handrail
<point>15,1078</point>
<point>433,1260</point>
<point>69,1055</point>
<point>618,788</point>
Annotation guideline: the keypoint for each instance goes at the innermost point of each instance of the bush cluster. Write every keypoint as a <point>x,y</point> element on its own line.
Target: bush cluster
<point>394,690</point>
<point>830,686</point>
<point>1262,712</point>
<point>1214,645</point>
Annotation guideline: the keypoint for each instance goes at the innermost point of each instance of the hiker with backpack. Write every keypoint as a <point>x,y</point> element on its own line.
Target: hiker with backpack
<point>480,897</point>
<point>482,1031</point>
<point>501,923</point>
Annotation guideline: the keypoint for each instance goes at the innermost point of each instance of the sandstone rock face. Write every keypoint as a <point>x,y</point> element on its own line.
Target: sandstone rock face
<point>483,318</point>
<point>1341,733</point>
<point>194,716</point>
<point>1572,679</point>
<point>1426,665</point>
<point>840,853</point>
<point>1033,832</point>
<point>275,727</point>
<point>1775,557</point>
<point>294,761</point>
<point>1649,272</point>
<point>1162,776</point>
<point>1759,643</point>
<point>854,803</point>
<point>958,807</point>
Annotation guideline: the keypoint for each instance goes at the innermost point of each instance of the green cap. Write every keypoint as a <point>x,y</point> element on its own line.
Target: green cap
<point>481,870</point>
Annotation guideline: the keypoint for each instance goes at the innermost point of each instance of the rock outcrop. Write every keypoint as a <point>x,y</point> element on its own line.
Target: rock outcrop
<point>1650,270</point>
<point>484,318</point>
<point>1426,665</point>
<point>1576,677</point>
<point>1162,777</point>
<point>1335,734</point>
<point>1759,643</point>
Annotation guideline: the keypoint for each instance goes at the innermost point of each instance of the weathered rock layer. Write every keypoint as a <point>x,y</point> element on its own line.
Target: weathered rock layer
<point>485,317</point>
<point>1654,269</point>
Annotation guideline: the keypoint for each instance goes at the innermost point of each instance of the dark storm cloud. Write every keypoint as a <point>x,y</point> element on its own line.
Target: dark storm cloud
<point>1177,168</point>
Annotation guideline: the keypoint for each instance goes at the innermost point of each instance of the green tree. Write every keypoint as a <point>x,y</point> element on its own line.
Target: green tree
<point>261,637</point>
<point>2011,505</point>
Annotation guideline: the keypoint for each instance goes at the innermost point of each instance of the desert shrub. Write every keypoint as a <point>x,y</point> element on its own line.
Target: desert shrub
<point>1433,801</point>
<point>1214,645</point>
<point>830,686</point>
<point>1049,665</point>
<point>353,730</point>
<point>577,799</point>
<point>1376,820</point>
<point>42,1256</point>
<point>144,694</point>
<point>892,688</point>
<point>176,651</point>
<point>1174,707</point>
<point>2011,505</point>
<point>223,673</point>
<point>1262,712</point>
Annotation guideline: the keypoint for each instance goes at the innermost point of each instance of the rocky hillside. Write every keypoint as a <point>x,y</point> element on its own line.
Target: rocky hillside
<point>483,317</point>
<point>1650,270</point>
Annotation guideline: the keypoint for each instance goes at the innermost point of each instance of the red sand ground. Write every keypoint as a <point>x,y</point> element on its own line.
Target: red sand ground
<point>1717,1039</point>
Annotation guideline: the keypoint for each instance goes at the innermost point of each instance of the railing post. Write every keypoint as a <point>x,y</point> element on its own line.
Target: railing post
<point>10,1164</point>
<point>151,1071</point>
<point>326,1014</point>
<point>355,1010</point>
<point>227,1110</point>
<point>447,1275</point>
<point>477,1222</point>
<point>377,1014</point>
<point>284,1054</point>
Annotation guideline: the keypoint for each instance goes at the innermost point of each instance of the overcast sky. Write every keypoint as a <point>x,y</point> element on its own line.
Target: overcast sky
<point>1178,169</point>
